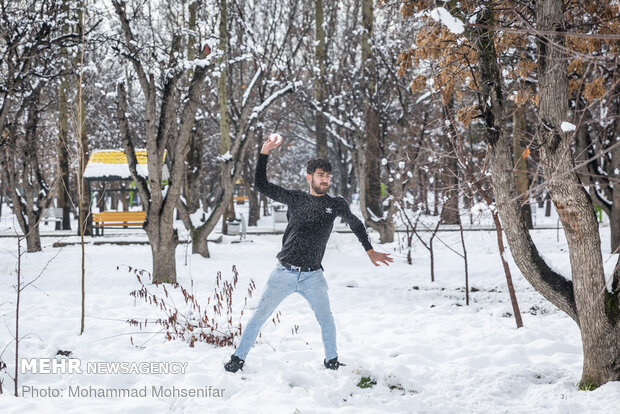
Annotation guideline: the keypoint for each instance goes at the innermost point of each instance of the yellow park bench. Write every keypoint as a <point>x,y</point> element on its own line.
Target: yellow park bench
<point>118,220</point>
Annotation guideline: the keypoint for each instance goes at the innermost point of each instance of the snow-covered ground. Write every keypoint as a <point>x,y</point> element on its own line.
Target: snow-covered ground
<point>426,350</point>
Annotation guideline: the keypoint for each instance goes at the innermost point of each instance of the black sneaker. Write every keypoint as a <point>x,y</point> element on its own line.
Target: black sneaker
<point>235,364</point>
<point>333,364</point>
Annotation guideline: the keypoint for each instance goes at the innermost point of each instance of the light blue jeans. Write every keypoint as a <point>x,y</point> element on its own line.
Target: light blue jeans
<point>282,282</point>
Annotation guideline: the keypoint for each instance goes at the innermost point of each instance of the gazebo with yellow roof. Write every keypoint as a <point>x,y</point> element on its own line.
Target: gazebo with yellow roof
<point>112,166</point>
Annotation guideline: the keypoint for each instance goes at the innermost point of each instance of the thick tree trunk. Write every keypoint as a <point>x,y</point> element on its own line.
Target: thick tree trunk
<point>265,204</point>
<point>254,196</point>
<point>164,261</point>
<point>585,298</point>
<point>342,171</point>
<point>386,232</point>
<point>372,131</point>
<point>199,234</point>
<point>194,172</point>
<point>33,238</point>
<point>63,199</point>
<point>614,216</point>
<point>29,193</point>
<point>450,208</point>
<point>199,243</point>
<point>229,214</point>
<point>614,221</point>
<point>597,310</point>
<point>372,136</point>
<point>519,136</point>
<point>195,154</point>
<point>125,197</point>
<point>163,240</point>
<point>254,208</point>
<point>373,164</point>
<point>550,284</point>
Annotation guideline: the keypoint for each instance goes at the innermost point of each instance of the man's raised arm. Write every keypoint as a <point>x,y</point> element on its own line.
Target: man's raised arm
<point>272,191</point>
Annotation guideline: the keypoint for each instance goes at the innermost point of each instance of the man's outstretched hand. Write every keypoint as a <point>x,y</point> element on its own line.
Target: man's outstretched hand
<point>378,257</point>
<point>273,141</point>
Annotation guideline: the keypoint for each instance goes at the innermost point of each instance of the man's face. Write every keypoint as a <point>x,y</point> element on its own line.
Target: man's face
<point>319,181</point>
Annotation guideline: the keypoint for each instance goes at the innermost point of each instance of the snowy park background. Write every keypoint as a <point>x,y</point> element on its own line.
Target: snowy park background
<point>425,350</point>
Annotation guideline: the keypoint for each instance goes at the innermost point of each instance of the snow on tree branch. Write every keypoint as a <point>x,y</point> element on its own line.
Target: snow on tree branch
<point>332,118</point>
<point>444,17</point>
<point>248,90</point>
<point>259,109</point>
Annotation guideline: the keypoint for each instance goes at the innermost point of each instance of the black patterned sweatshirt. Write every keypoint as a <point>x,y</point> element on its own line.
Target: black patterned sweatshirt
<point>310,220</point>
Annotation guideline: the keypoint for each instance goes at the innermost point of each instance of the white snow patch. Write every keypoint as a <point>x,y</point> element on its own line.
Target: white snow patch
<point>567,126</point>
<point>443,16</point>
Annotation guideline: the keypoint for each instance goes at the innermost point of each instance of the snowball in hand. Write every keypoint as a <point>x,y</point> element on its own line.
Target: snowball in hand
<point>276,138</point>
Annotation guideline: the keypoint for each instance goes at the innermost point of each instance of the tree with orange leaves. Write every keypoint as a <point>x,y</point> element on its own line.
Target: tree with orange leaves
<point>478,58</point>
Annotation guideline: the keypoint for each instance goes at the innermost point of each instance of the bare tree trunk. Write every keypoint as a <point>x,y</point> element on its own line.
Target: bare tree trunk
<point>450,178</point>
<point>435,194</point>
<point>85,224</point>
<point>163,241</point>
<point>254,208</point>
<point>21,170</point>
<point>429,246</point>
<point>423,190</point>
<point>33,239</point>
<point>602,187</point>
<point>265,205</point>
<point>550,284</point>
<point>372,207</point>
<point>63,134</point>
<point>507,273</point>
<point>195,153</point>
<point>199,242</point>
<point>343,171</point>
<point>80,128</point>
<point>464,264</point>
<point>252,193</point>
<point>229,214</point>
<point>124,195</point>
<point>519,136</point>
<point>597,309</point>
<point>1,194</point>
<point>319,80</point>
<point>614,216</point>
<point>222,95</point>
<point>585,298</point>
<point>614,220</point>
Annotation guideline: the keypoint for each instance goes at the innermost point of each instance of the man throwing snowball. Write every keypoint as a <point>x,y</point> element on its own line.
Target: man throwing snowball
<point>311,216</point>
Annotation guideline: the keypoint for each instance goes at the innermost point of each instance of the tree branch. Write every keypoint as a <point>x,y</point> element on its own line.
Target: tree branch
<point>129,149</point>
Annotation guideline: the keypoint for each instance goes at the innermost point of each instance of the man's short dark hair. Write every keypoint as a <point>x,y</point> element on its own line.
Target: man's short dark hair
<point>316,163</point>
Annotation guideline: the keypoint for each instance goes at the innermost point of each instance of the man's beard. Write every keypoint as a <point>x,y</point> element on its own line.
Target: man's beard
<point>317,188</point>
